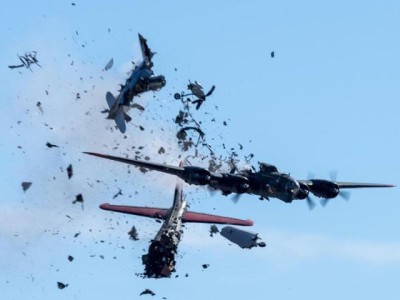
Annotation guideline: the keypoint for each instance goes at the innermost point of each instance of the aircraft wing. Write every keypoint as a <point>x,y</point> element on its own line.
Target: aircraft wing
<point>195,217</point>
<point>355,185</point>
<point>352,185</point>
<point>152,166</point>
<point>146,52</point>
<point>151,212</point>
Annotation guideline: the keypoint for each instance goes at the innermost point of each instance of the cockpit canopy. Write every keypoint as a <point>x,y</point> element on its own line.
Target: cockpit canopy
<point>267,168</point>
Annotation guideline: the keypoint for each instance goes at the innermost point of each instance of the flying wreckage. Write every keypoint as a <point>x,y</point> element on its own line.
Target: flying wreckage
<point>267,182</point>
<point>141,80</point>
<point>160,259</point>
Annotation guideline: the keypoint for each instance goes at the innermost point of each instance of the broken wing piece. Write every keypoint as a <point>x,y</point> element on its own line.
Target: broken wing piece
<point>242,238</point>
<point>146,52</point>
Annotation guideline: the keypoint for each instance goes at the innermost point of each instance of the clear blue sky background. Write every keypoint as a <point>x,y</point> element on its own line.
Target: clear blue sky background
<point>329,100</point>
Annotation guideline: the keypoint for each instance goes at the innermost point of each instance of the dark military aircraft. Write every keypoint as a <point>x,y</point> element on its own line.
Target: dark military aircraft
<point>267,183</point>
<point>141,80</point>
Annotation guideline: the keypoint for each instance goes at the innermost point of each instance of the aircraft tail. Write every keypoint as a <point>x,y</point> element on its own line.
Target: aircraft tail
<point>116,112</point>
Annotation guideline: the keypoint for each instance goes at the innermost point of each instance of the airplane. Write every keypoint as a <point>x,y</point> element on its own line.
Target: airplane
<point>160,259</point>
<point>196,89</point>
<point>141,80</point>
<point>267,183</point>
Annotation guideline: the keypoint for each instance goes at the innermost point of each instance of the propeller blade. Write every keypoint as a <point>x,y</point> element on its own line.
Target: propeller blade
<point>235,198</point>
<point>345,195</point>
<point>333,175</point>
<point>310,203</point>
<point>324,201</point>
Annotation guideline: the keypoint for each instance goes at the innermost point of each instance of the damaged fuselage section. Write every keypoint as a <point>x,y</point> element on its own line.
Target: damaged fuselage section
<point>160,259</point>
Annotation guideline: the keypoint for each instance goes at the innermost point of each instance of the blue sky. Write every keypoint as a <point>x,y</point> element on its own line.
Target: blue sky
<point>327,101</point>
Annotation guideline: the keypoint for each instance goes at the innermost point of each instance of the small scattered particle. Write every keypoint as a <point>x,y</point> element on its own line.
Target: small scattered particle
<point>109,64</point>
<point>118,194</point>
<point>70,171</point>
<point>133,234</point>
<point>272,54</point>
<point>26,185</point>
<point>205,266</point>
<point>161,150</point>
<point>76,234</point>
<point>70,258</point>
<point>141,128</point>
<point>51,145</point>
<point>61,285</point>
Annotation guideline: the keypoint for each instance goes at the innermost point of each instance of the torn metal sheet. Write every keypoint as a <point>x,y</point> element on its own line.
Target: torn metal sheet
<point>242,238</point>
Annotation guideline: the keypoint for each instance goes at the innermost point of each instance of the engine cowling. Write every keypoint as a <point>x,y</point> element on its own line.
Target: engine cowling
<point>230,183</point>
<point>303,192</point>
<point>196,175</point>
<point>324,188</point>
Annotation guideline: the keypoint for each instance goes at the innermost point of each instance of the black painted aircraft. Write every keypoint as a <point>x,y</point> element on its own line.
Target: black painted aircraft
<point>267,183</point>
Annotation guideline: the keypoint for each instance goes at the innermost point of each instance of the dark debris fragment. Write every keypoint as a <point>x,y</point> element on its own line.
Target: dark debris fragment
<point>118,194</point>
<point>161,150</point>
<point>133,234</point>
<point>147,292</point>
<point>205,266</point>
<point>213,230</point>
<point>61,285</point>
<point>26,185</point>
<point>49,145</point>
<point>138,106</point>
<point>70,171</point>
<point>70,258</point>
<point>79,198</point>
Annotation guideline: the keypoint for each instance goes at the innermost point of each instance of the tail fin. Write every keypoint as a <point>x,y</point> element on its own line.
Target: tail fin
<point>110,100</point>
<point>120,119</point>
<point>116,113</point>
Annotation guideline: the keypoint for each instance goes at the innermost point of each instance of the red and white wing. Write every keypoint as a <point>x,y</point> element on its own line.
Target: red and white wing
<point>151,212</point>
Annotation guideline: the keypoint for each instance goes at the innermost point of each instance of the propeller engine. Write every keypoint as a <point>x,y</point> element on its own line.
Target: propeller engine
<point>324,188</point>
<point>230,183</point>
<point>195,175</point>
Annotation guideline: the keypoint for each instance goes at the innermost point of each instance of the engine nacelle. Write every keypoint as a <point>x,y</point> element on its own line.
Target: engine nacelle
<point>231,183</point>
<point>324,188</point>
<point>196,175</point>
<point>303,192</point>
<point>155,83</point>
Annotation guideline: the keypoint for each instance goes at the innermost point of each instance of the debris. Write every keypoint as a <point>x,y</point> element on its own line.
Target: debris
<point>76,234</point>
<point>242,238</point>
<point>118,194</point>
<point>39,105</point>
<point>138,106</point>
<point>101,256</point>
<point>141,127</point>
<point>26,185</point>
<point>70,258</point>
<point>272,54</point>
<point>79,198</point>
<point>51,145</point>
<point>133,235</point>
<point>213,230</point>
<point>70,171</point>
<point>61,285</point>
<point>147,291</point>
<point>109,64</point>
<point>78,96</point>
<point>205,266</point>
<point>27,60</point>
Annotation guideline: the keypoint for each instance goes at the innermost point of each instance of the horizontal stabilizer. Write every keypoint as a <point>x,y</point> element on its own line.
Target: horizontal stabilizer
<point>110,100</point>
<point>151,212</point>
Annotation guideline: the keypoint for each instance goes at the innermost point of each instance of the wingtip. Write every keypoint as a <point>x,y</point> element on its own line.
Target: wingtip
<point>104,206</point>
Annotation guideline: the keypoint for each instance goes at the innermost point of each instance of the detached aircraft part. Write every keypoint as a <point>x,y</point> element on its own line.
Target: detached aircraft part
<point>244,239</point>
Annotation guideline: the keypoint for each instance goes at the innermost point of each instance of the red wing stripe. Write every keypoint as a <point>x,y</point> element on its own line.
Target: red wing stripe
<point>206,218</point>
<point>151,212</point>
